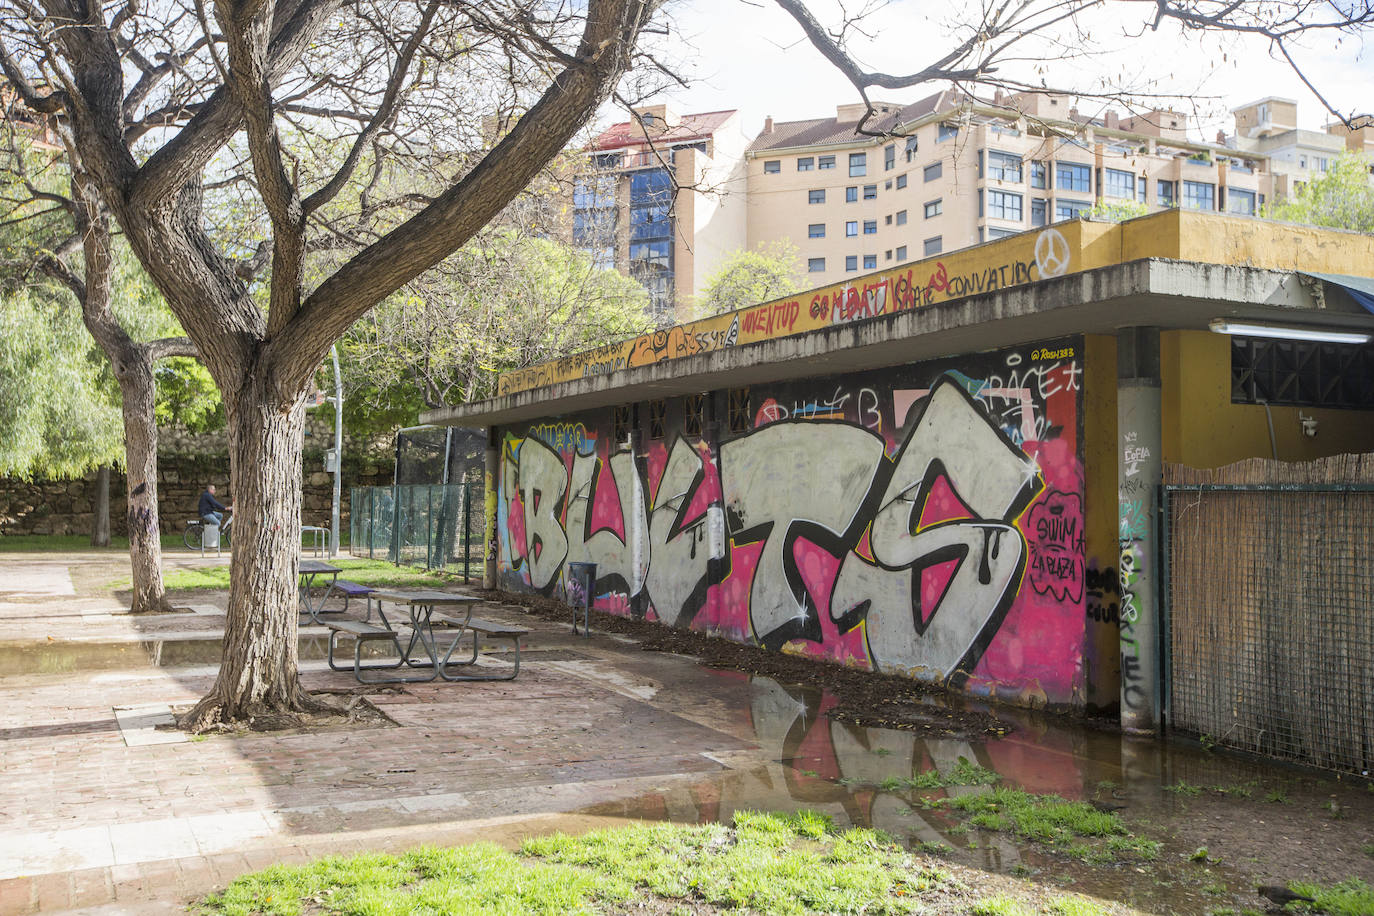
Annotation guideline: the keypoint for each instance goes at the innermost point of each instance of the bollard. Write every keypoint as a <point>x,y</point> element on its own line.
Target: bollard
<point>581,581</point>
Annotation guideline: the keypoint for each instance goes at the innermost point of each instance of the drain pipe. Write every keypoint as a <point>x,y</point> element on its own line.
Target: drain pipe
<point>1273,442</point>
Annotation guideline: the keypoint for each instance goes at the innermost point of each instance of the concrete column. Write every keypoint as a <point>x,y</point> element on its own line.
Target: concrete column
<point>491,477</point>
<point>1138,478</point>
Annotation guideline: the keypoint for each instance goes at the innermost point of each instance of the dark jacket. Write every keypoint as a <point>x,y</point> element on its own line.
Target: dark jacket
<point>209,504</point>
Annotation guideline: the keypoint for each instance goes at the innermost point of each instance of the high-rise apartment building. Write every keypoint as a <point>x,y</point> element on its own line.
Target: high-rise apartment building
<point>1269,128</point>
<point>948,172</point>
<point>663,200</point>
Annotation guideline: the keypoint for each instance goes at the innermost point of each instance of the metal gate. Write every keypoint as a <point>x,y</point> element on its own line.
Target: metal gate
<point>438,526</point>
<point>1268,612</point>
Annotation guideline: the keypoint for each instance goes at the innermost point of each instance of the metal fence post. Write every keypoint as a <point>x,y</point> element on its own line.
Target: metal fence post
<point>467,533</point>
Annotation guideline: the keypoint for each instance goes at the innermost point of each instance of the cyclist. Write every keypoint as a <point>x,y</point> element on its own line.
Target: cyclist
<point>211,510</point>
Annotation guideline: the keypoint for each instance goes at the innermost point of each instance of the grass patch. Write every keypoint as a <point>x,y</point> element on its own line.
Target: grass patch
<point>964,773</point>
<point>1183,788</point>
<point>999,906</point>
<point>1368,849</point>
<point>781,864</point>
<point>71,543</point>
<point>1277,797</point>
<point>1348,898</point>
<point>1076,906</point>
<point>1074,828</point>
<point>377,573</point>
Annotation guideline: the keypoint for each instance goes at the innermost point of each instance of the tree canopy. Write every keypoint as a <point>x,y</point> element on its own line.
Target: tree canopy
<point>1341,198</point>
<point>748,277</point>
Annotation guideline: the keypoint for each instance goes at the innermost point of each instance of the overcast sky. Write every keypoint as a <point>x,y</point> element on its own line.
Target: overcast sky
<point>751,56</point>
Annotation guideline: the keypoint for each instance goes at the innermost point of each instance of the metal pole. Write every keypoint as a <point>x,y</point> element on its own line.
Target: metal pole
<point>338,454</point>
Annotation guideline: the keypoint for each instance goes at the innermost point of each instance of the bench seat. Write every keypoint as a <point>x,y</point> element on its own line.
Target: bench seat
<point>488,628</point>
<point>353,590</point>
<point>362,632</point>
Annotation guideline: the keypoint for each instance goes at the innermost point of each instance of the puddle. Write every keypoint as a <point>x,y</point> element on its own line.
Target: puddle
<point>840,769</point>
<point>59,657</point>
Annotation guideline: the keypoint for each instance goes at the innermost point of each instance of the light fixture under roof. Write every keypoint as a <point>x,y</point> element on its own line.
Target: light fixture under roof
<point>1282,332</point>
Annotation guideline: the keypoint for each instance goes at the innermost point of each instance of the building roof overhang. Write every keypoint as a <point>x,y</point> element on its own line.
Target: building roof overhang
<point>1151,292</point>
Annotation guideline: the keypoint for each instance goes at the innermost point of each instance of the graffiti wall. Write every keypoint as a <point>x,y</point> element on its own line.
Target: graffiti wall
<point>924,520</point>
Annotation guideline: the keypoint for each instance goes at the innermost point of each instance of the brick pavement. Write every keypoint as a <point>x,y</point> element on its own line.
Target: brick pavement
<point>89,823</point>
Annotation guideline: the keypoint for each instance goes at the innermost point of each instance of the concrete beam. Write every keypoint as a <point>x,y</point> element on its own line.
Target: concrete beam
<point>1160,293</point>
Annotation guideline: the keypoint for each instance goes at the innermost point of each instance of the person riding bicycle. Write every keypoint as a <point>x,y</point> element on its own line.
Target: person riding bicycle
<point>211,510</point>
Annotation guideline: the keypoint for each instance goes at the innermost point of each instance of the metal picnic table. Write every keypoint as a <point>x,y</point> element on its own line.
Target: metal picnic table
<point>309,571</point>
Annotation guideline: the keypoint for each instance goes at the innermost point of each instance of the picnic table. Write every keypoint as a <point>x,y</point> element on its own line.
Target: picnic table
<point>310,570</point>
<point>420,609</point>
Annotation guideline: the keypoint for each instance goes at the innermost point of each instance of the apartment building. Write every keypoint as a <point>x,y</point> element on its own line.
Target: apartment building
<point>947,172</point>
<point>663,200</point>
<point>1269,128</point>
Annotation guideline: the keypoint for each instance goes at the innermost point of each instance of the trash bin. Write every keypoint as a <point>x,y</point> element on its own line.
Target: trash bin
<point>209,538</point>
<point>581,581</point>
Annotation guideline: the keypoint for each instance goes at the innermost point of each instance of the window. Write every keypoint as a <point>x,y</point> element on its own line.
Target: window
<point>901,181</point>
<point>1119,184</point>
<point>1070,176</point>
<point>901,253</point>
<point>1300,373</point>
<point>947,131</point>
<point>887,255</point>
<point>1037,174</point>
<point>1166,192</point>
<point>1004,166</point>
<point>1302,162</point>
<point>858,165</point>
<point>1004,205</point>
<point>935,207</point>
<point>851,229</point>
<point>815,231</point>
<point>1322,163</point>
<point>815,196</point>
<point>933,171</point>
<point>851,195</point>
<point>658,415</point>
<point>739,410</point>
<point>851,262</point>
<point>887,185</point>
<point>889,219</point>
<point>889,156</point>
<point>996,233</point>
<point>934,246</point>
<point>815,265</point>
<point>870,192</point>
<point>606,160</point>
<point>901,217</point>
<point>1239,201</point>
<point>825,162</point>
<point>1039,207</point>
<point>805,163</point>
<point>870,226</point>
<point>870,261</point>
<point>1199,195</point>
<point>1143,188</point>
<point>1069,209</point>
<point>622,422</point>
<point>693,414</point>
<point>772,166</point>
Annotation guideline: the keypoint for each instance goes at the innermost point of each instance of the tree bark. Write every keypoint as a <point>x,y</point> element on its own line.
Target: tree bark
<point>257,675</point>
<point>100,512</point>
<point>135,373</point>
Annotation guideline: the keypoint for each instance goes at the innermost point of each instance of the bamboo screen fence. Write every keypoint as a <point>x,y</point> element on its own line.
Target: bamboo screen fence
<point>1270,608</point>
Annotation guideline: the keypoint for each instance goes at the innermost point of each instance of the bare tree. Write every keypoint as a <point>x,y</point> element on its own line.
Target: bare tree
<point>153,95</point>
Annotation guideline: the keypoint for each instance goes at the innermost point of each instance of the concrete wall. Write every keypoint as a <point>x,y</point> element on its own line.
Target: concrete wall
<point>926,520</point>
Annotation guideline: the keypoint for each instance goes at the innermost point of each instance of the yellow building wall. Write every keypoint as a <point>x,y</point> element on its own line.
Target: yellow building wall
<point>1203,429</point>
<point>1102,600</point>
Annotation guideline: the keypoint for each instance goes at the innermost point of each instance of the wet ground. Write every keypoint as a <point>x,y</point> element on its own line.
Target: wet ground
<point>592,732</point>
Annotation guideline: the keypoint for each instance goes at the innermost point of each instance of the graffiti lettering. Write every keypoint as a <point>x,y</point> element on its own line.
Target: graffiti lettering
<point>1057,554</point>
<point>768,319</point>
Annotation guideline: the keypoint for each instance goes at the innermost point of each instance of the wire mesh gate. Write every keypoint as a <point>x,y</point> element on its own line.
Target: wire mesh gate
<point>439,526</point>
<point>1269,619</point>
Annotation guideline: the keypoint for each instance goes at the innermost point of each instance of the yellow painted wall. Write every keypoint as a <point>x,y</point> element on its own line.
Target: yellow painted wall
<point>1203,429</point>
<point>1021,260</point>
<point>1102,601</point>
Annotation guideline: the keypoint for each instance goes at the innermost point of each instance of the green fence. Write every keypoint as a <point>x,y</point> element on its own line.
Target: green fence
<point>435,526</point>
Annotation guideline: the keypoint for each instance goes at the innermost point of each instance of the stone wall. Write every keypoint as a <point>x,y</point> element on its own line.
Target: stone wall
<point>65,506</point>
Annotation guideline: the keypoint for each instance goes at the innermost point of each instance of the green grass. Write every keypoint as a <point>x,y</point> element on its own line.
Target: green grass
<point>964,773</point>
<point>767,864</point>
<point>1277,797</point>
<point>1074,828</point>
<point>999,906</point>
<point>377,573</point>
<point>1183,788</point>
<point>71,543</point>
<point>1348,898</point>
<point>1076,906</point>
<point>1368,849</point>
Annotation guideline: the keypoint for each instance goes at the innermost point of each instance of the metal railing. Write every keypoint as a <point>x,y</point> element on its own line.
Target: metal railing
<point>437,526</point>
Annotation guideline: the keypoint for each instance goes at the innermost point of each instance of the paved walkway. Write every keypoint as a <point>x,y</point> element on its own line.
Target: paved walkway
<point>99,811</point>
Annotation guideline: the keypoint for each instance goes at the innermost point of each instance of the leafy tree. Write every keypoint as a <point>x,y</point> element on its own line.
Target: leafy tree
<point>1342,198</point>
<point>771,271</point>
<point>503,301</point>
<point>1116,210</point>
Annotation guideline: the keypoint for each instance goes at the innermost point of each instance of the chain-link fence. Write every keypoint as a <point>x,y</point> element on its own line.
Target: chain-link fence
<point>1269,637</point>
<point>438,526</point>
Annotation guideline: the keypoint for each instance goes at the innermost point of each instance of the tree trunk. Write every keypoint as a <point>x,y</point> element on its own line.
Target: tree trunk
<point>100,512</point>
<point>258,672</point>
<point>138,389</point>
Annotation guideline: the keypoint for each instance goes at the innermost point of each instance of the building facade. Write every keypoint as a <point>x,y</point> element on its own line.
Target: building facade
<point>946,173</point>
<point>664,201</point>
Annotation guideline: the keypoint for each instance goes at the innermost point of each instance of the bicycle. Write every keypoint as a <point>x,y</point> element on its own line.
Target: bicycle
<point>195,532</point>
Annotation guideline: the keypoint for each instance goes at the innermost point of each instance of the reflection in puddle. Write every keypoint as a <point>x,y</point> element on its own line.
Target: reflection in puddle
<point>60,657</point>
<point>840,769</point>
